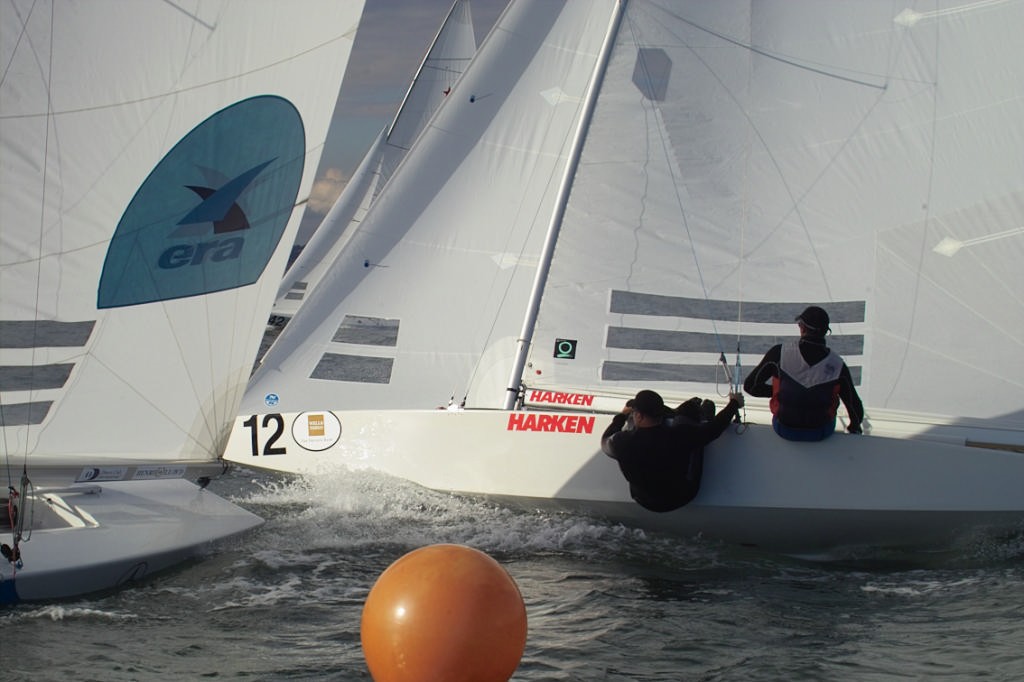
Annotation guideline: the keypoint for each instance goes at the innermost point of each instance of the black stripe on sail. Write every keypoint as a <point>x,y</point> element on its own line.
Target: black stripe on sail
<point>661,371</point>
<point>637,338</point>
<point>667,371</point>
<point>633,303</point>
<point>44,333</point>
<point>22,414</point>
<point>357,368</point>
<point>367,331</point>
<point>30,378</point>
<point>297,292</point>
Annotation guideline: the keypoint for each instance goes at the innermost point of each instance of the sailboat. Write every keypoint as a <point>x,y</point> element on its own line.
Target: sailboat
<point>446,58</point>
<point>152,155</point>
<point>646,194</point>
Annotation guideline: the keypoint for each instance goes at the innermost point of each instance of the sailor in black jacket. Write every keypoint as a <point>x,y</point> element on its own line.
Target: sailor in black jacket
<point>662,455</point>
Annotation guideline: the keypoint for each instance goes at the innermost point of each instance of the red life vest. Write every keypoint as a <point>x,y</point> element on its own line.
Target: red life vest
<point>805,396</point>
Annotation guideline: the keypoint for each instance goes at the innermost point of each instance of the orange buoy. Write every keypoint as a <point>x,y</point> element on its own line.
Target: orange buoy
<point>448,613</point>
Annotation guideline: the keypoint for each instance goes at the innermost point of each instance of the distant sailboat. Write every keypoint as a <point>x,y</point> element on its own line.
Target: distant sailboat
<point>624,194</point>
<point>446,59</point>
<point>152,154</point>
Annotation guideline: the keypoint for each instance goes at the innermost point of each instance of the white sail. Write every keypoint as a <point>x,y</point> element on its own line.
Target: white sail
<point>466,214</point>
<point>760,164</point>
<point>152,154</point>
<point>738,161</point>
<point>436,77</point>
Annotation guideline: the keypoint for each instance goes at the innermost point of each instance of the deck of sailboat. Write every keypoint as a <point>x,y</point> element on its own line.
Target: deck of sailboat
<point>87,537</point>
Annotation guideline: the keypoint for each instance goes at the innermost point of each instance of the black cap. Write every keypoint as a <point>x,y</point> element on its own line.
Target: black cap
<point>648,403</point>
<point>815,319</point>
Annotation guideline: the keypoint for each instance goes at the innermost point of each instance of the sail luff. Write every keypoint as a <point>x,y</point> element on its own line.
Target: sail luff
<point>423,62</point>
<point>526,335</point>
<point>442,64</point>
<point>337,219</point>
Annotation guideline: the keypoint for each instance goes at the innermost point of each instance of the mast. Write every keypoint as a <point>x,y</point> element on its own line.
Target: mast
<point>562,200</point>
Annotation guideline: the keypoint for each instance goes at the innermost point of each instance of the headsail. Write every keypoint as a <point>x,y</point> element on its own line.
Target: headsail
<point>446,59</point>
<point>464,219</point>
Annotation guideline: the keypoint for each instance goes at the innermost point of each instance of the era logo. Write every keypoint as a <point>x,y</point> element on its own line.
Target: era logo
<point>197,254</point>
<point>211,214</point>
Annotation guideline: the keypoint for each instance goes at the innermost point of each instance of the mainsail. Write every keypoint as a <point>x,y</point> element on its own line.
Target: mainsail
<point>748,159</point>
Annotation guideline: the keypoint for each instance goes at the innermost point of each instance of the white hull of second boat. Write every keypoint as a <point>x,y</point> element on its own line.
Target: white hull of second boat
<point>89,537</point>
<point>813,499</point>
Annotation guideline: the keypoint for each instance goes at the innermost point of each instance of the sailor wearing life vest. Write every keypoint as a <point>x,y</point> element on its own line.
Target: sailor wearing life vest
<point>805,381</point>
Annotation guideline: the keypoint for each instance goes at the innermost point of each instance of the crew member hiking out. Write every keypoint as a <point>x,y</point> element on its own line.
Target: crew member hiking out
<point>805,381</point>
<point>662,456</point>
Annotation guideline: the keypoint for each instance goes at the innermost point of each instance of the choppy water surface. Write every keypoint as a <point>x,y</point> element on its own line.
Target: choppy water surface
<point>603,602</point>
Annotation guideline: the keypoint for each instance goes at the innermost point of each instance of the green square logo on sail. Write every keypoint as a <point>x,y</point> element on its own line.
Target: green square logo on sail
<point>565,349</point>
<point>210,215</point>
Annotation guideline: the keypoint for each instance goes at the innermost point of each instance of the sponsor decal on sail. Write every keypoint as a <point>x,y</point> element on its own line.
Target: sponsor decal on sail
<point>558,398</point>
<point>211,213</point>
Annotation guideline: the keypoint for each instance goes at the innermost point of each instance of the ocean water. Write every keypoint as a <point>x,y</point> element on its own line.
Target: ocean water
<point>604,602</point>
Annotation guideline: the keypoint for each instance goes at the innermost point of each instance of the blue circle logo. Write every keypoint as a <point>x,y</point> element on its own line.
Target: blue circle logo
<point>211,213</point>
<point>271,399</point>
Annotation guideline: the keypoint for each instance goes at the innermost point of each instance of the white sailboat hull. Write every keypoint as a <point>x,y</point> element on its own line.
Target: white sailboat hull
<point>758,489</point>
<point>92,537</point>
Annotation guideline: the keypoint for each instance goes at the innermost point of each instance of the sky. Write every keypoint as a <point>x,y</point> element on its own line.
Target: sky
<point>390,45</point>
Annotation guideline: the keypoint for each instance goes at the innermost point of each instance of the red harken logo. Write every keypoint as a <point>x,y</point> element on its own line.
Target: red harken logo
<point>557,423</point>
<point>561,398</point>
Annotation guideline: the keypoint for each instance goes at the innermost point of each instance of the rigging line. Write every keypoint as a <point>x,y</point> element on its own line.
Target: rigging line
<point>17,43</point>
<point>3,79</point>
<point>795,202</point>
<point>420,69</point>
<point>39,259</point>
<point>156,408</point>
<point>561,203</point>
<point>923,247</point>
<point>180,91</point>
<point>635,256</point>
<point>784,60</point>
<point>666,150</point>
<point>520,258</point>
<point>191,15</point>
